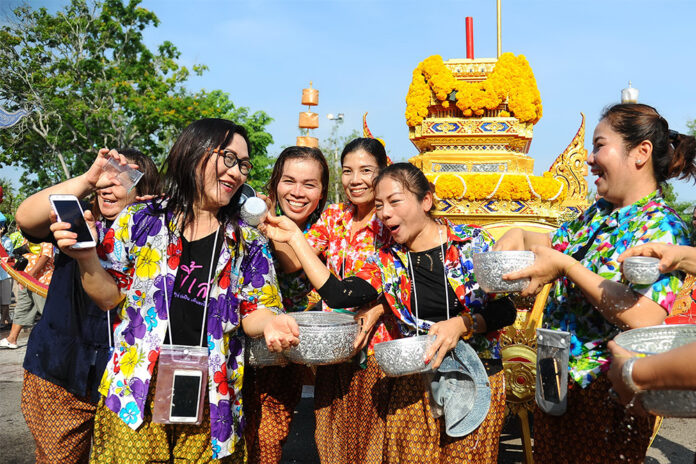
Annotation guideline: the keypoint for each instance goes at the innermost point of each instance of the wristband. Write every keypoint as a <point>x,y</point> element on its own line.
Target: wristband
<point>472,323</point>
<point>627,375</point>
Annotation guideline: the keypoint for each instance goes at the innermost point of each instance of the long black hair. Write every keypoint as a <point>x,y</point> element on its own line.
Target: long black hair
<point>184,183</point>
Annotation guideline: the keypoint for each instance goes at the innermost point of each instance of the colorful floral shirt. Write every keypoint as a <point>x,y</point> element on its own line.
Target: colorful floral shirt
<point>387,271</point>
<point>647,220</point>
<point>345,255</point>
<point>143,252</point>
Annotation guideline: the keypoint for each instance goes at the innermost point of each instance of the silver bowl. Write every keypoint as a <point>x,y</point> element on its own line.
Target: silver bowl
<point>659,339</point>
<point>325,338</point>
<point>489,268</point>
<point>404,356</point>
<point>641,270</point>
<point>258,354</point>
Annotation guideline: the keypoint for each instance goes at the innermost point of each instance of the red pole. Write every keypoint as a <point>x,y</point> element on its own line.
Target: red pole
<point>470,37</point>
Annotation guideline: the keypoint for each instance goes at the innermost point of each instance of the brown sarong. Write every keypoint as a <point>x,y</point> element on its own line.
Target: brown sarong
<point>594,429</point>
<point>270,396</point>
<point>414,436</point>
<point>60,422</point>
<point>350,405</point>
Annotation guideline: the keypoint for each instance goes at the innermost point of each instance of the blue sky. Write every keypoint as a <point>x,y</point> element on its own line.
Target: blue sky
<point>360,55</point>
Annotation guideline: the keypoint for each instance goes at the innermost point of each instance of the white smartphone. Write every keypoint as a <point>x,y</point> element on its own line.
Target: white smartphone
<point>68,209</point>
<point>186,392</point>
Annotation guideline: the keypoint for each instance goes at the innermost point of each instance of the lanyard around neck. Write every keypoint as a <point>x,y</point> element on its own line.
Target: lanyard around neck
<point>207,294</point>
<point>413,282</point>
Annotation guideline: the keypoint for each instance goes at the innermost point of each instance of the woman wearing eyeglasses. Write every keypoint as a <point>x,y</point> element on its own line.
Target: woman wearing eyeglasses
<point>186,271</point>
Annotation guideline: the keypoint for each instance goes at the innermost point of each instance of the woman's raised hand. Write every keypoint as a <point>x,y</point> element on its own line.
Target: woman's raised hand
<point>512,240</point>
<point>281,333</point>
<point>279,228</point>
<point>549,265</point>
<point>672,257</point>
<point>97,176</point>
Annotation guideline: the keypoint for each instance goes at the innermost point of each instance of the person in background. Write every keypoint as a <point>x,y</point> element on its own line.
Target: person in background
<point>5,279</point>
<point>29,304</point>
<point>68,349</point>
<point>634,152</point>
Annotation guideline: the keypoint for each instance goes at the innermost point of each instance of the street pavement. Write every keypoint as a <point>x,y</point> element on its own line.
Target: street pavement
<point>675,444</point>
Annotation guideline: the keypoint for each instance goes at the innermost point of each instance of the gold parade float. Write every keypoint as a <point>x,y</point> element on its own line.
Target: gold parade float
<point>472,121</point>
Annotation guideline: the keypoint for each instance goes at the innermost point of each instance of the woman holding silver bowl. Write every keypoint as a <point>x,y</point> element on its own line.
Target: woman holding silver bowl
<point>634,152</point>
<point>424,275</point>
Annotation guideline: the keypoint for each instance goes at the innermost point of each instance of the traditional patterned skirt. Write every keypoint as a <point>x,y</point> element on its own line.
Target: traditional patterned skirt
<point>270,396</point>
<point>60,422</point>
<point>414,436</point>
<point>594,429</point>
<point>116,443</point>
<point>350,406</point>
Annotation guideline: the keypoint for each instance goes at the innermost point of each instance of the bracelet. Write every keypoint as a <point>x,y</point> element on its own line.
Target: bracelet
<point>571,267</point>
<point>627,375</point>
<point>472,323</point>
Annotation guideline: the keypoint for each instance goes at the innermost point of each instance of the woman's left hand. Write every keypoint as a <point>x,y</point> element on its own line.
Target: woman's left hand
<point>548,266</point>
<point>447,335</point>
<point>366,318</point>
<point>619,356</point>
<point>281,332</point>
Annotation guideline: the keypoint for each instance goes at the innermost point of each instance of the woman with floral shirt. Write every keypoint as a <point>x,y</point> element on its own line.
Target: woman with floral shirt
<point>297,189</point>
<point>633,154</point>
<point>425,276</point>
<point>159,254</point>
<point>345,236</point>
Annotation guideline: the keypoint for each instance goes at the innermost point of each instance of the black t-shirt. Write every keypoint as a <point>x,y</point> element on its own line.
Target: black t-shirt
<point>191,289</point>
<point>430,287</point>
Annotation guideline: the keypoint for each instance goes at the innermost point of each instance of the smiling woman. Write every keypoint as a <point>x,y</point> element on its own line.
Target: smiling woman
<point>187,272</point>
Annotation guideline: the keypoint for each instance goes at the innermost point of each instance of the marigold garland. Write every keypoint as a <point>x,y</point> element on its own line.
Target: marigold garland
<point>504,186</point>
<point>511,81</point>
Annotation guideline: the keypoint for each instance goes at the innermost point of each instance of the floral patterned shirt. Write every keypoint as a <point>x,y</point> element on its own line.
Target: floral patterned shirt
<point>647,220</point>
<point>45,274</point>
<point>387,271</point>
<point>345,255</point>
<point>143,252</point>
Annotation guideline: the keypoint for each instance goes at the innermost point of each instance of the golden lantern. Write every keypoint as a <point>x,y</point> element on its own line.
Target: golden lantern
<point>308,119</point>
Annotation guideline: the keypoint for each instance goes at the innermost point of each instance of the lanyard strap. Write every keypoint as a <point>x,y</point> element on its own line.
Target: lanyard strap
<point>413,281</point>
<point>207,294</point>
<point>580,254</point>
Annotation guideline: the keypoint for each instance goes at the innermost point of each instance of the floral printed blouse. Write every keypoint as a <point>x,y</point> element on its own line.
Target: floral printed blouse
<point>345,255</point>
<point>387,271</point>
<point>142,252</point>
<point>647,220</point>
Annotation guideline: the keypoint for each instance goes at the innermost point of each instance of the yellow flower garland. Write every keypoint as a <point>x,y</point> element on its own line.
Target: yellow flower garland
<point>511,81</point>
<point>482,186</point>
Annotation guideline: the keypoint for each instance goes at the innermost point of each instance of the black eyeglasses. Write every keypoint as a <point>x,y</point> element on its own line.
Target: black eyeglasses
<point>231,160</point>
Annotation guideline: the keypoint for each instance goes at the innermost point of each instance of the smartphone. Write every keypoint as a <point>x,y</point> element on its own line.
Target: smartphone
<point>186,393</point>
<point>550,379</point>
<point>68,209</point>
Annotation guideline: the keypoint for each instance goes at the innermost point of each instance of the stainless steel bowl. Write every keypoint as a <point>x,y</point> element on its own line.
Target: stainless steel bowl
<point>659,339</point>
<point>258,354</point>
<point>325,338</point>
<point>641,270</point>
<point>489,268</point>
<point>404,356</point>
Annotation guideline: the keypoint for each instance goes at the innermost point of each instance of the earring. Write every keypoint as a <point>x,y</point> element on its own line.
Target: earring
<point>639,162</point>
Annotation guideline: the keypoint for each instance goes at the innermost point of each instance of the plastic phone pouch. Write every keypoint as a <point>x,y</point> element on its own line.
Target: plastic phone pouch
<point>182,382</point>
<point>553,352</point>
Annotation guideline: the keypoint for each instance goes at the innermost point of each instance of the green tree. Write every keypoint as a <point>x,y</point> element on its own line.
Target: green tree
<point>332,147</point>
<point>11,199</point>
<point>90,81</point>
<point>683,208</point>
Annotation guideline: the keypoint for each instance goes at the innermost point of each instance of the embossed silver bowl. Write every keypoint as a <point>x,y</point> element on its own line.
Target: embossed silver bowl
<point>404,356</point>
<point>659,339</point>
<point>489,268</point>
<point>325,338</point>
<point>258,354</point>
<point>641,270</point>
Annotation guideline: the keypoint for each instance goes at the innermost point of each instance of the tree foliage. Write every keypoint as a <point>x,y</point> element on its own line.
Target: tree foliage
<point>90,81</point>
<point>332,147</point>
